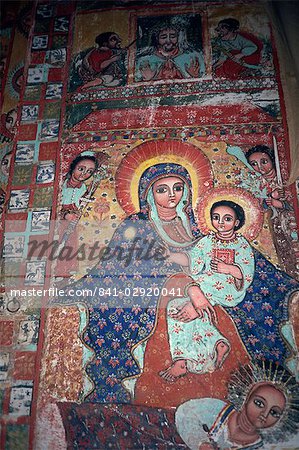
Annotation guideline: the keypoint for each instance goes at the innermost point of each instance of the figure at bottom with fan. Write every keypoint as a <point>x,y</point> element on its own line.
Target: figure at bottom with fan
<point>262,407</point>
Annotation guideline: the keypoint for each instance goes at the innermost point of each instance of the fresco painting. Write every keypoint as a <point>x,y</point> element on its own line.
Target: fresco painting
<point>164,51</point>
<point>149,215</point>
<point>241,44</point>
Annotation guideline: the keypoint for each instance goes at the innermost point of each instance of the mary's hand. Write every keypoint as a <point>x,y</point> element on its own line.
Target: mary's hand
<point>201,304</point>
<point>217,265</point>
<point>185,314</point>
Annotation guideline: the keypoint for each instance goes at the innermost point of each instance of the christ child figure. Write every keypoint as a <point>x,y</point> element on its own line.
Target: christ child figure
<point>222,266</point>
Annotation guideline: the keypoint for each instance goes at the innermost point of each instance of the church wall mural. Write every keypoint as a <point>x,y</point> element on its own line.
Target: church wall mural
<point>150,238</point>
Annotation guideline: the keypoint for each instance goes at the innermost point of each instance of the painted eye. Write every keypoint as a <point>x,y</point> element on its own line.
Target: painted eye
<point>228,219</point>
<point>258,403</point>
<point>178,188</point>
<point>275,413</point>
<point>265,161</point>
<point>253,163</point>
<point>161,190</point>
<point>215,217</point>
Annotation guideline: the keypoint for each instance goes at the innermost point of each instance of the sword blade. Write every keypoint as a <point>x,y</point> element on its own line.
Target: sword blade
<point>276,159</point>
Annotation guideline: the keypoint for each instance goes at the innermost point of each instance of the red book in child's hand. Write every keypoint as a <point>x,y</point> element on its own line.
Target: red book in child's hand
<point>226,255</point>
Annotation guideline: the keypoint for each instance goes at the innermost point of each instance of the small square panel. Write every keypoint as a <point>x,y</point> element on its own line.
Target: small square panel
<point>27,132</point>
<point>54,91</point>
<point>22,175</point>
<point>55,75</point>
<point>40,220</point>
<point>59,41</point>
<point>29,113</point>
<point>40,42</point>
<point>17,437</point>
<point>4,363</point>
<point>43,197</point>
<point>61,24</point>
<point>49,130</point>
<point>35,273</point>
<point>13,246</point>
<point>24,366</point>
<point>56,58</point>
<point>37,74</point>
<point>44,11</point>
<point>52,110</point>
<point>15,223</point>
<point>32,92</point>
<point>20,399</point>
<point>19,199</point>
<point>6,332</point>
<point>28,332</point>
<point>38,57</point>
<point>24,153</point>
<point>45,172</point>
<point>48,151</point>
<point>42,25</point>
<point>12,273</point>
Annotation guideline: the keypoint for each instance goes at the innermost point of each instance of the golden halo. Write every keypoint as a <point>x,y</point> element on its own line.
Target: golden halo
<point>253,213</point>
<point>154,152</point>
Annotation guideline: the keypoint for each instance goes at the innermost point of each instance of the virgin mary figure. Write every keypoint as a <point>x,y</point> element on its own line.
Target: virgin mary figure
<point>134,281</point>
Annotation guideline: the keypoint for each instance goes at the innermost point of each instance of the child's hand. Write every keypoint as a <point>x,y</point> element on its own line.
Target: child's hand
<point>217,265</point>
